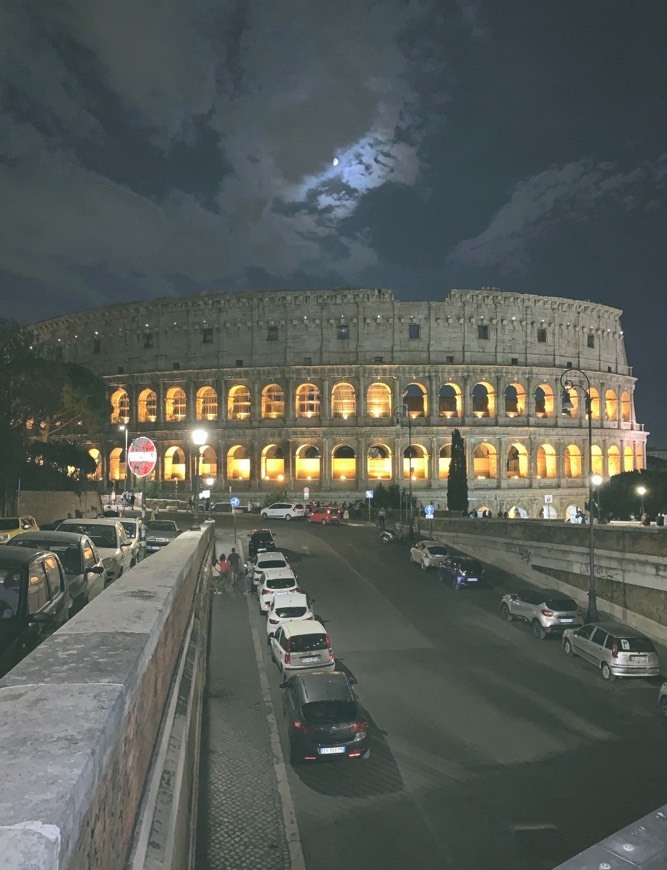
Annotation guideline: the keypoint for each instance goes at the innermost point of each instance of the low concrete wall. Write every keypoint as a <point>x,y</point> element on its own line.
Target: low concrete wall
<point>82,715</point>
<point>630,563</point>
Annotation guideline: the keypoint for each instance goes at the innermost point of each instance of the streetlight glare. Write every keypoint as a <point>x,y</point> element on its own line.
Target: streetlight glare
<point>596,480</point>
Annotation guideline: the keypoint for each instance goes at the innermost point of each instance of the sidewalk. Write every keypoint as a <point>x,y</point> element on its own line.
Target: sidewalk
<point>240,818</point>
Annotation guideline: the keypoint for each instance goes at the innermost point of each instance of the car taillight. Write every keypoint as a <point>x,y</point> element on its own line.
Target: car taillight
<point>302,728</point>
<point>359,726</point>
<point>547,613</point>
<point>614,650</point>
<point>331,655</point>
<point>288,659</point>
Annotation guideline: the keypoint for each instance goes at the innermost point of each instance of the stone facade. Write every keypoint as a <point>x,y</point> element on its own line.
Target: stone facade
<point>299,389</point>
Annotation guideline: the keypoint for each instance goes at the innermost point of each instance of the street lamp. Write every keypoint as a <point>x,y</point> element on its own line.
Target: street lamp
<point>575,379</point>
<point>596,480</point>
<point>199,438</point>
<point>123,428</point>
<point>641,492</point>
<point>402,413</point>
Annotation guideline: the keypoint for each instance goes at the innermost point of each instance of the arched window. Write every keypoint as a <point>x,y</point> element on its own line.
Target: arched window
<point>546,461</point>
<point>174,405</point>
<point>485,461</point>
<point>639,456</point>
<point>378,400</point>
<point>415,463</point>
<point>544,401</point>
<point>307,462</point>
<point>116,468</point>
<point>449,401</point>
<point>483,400</point>
<point>625,407</point>
<point>120,403</point>
<point>378,463</point>
<point>570,403</point>
<point>238,463</point>
<point>444,461</point>
<point>147,407</point>
<point>416,399</point>
<point>97,457</point>
<point>273,402</point>
<point>207,404</point>
<point>343,463</point>
<point>273,462</point>
<point>595,405</point>
<point>610,405</point>
<point>307,401</point>
<point>343,401</point>
<point>238,403</point>
<point>515,400</point>
<point>517,461</point>
<point>173,466</point>
<point>613,461</point>
<point>208,464</point>
<point>628,458</point>
<point>597,460</point>
<point>572,461</point>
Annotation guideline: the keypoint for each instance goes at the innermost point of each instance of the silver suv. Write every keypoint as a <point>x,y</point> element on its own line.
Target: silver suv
<point>616,649</point>
<point>547,611</point>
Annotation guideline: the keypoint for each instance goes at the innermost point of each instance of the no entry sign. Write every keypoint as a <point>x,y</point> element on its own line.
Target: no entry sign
<point>142,456</point>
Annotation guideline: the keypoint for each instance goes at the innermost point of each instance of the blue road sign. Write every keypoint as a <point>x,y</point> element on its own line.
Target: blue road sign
<point>234,501</point>
<point>429,510</point>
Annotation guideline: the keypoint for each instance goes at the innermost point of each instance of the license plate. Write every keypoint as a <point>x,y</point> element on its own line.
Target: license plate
<point>311,659</point>
<point>566,619</point>
<point>637,658</point>
<point>472,580</point>
<point>332,750</point>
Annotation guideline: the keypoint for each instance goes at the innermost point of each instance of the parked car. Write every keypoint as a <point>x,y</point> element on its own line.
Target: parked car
<point>460,572</point>
<point>326,516</point>
<point>109,537</point>
<point>34,601</point>
<point>136,535</point>
<point>160,533</point>
<point>547,611</point>
<point>662,699</point>
<point>260,541</point>
<point>287,607</point>
<point>12,526</point>
<point>324,717</point>
<point>616,649</point>
<point>428,554</point>
<point>79,557</point>
<point>284,510</point>
<point>298,646</point>
<point>270,581</point>
<point>267,559</point>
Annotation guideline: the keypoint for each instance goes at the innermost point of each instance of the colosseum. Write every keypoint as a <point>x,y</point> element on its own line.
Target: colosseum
<point>337,391</point>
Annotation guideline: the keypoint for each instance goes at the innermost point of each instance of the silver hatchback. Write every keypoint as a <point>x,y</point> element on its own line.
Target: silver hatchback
<point>616,649</point>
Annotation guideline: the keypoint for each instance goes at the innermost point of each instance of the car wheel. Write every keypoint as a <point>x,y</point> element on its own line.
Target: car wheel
<point>567,646</point>
<point>538,631</point>
<point>663,706</point>
<point>265,516</point>
<point>288,517</point>
<point>506,613</point>
<point>606,672</point>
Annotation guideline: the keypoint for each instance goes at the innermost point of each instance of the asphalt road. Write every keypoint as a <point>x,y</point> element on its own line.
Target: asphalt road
<point>490,749</point>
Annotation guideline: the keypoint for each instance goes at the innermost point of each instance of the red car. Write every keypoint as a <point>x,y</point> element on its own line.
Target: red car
<point>327,516</point>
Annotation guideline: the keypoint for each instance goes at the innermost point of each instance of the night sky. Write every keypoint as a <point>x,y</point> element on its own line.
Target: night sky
<point>162,147</point>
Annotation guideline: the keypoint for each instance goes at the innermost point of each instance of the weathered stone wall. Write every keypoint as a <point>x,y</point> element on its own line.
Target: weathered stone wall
<point>46,507</point>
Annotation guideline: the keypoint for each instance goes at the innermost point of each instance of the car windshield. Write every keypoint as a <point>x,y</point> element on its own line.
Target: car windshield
<point>7,523</point>
<point>161,526</point>
<point>280,583</point>
<point>262,539</point>
<point>10,592</point>
<point>70,554</point>
<point>272,563</point>
<point>290,612</point>
<point>101,536</point>
<point>560,604</point>
<point>308,642</point>
<point>635,645</point>
<point>438,551</point>
<point>329,712</point>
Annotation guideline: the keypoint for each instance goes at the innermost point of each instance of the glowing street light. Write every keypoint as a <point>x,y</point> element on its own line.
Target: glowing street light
<point>641,492</point>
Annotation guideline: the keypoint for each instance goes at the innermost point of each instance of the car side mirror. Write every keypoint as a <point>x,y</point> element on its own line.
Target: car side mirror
<point>514,597</point>
<point>40,618</point>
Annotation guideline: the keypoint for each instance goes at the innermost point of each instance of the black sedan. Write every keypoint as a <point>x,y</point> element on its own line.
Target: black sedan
<point>34,601</point>
<point>460,572</point>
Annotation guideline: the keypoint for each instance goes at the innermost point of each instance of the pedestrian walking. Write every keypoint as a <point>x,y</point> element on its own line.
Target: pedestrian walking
<point>249,573</point>
<point>382,516</point>
<point>235,562</point>
<point>223,568</point>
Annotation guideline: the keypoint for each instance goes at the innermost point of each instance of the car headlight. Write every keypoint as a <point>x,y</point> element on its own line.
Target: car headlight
<point>4,538</point>
<point>109,562</point>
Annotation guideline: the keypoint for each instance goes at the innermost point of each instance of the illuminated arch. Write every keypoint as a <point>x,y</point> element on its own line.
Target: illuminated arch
<point>572,461</point>
<point>307,401</point>
<point>610,405</point>
<point>307,462</point>
<point>628,458</point>
<point>595,404</point>
<point>120,403</point>
<point>238,463</point>
<point>485,461</point>
<point>544,401</point>
<point>273,402</point>
<point>626,408</point>
<point>378,400</point>
<point>378,462</point>
<point>208,463</point>
<point>415,397</point>
<point>343,463</point>
<point>597,460</point>
<point>639,456</point>
<point>116,466</point>
<point>613,461</point>
<point>174,464</point>
<point>147,406</point>
<point>483,400</point>
<point>515,400</point>
<point>415,462</point>
<point>207,404</point>
<point>517,461</point>
<point>547,463</point>
<point>272,463</point>
<point>174,405</point>
<point>343,401</point>
<point>444,461</point>
<point>238,403</point>
<point>449,400</point>
<point>97,457</point>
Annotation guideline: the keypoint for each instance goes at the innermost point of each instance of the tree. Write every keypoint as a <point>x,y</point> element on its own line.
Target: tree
<point>457,482</point>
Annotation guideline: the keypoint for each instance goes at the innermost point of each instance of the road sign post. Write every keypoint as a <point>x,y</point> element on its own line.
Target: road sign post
<point>141,457</point>
<point>234,501</point>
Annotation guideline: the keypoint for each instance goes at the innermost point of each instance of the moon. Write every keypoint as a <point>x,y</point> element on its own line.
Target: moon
<point>335,161</point>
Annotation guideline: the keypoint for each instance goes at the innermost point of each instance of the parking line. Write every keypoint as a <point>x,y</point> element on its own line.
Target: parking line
<point>297,861</point>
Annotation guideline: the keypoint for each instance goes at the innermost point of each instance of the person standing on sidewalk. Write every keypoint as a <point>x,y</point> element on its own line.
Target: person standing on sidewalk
<point>382,517</point>
<point>249,574</point>
<point>224,569</point>
<point>235,563</point>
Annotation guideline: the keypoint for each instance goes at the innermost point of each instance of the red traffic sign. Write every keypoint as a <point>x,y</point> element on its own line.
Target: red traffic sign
<point>142,456</point>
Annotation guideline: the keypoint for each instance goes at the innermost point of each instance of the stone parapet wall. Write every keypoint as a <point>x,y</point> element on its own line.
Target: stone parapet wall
<point>47,506</point>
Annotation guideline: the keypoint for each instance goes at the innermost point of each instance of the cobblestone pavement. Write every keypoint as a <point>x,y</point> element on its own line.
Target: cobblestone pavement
<point>240,817</point>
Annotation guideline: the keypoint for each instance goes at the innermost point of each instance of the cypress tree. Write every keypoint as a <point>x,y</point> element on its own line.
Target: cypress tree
<point>457,482</point>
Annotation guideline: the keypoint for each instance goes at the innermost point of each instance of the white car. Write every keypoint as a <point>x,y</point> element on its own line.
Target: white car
<point>287,607</point>
<point>136,534</point>
<point>270,559</point>
<point>272,580</point>
<point>284,510</point>
<point>111,541</point>
<point>302,646</point>
<point>428,554</point>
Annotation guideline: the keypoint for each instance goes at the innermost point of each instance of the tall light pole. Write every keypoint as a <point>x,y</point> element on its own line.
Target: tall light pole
<point>641,492</point>
<point>402,413</point>
<point>124,428</point>
<point>575,379</point>
<point>199,438</point>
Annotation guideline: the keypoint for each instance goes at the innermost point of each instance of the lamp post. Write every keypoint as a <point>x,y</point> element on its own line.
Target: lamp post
<point>597,483</point>
<point>575,379</point>
<point>199,437</point>
<point>123,428</point>
<point>401,413</point>
<point>641,492</point>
